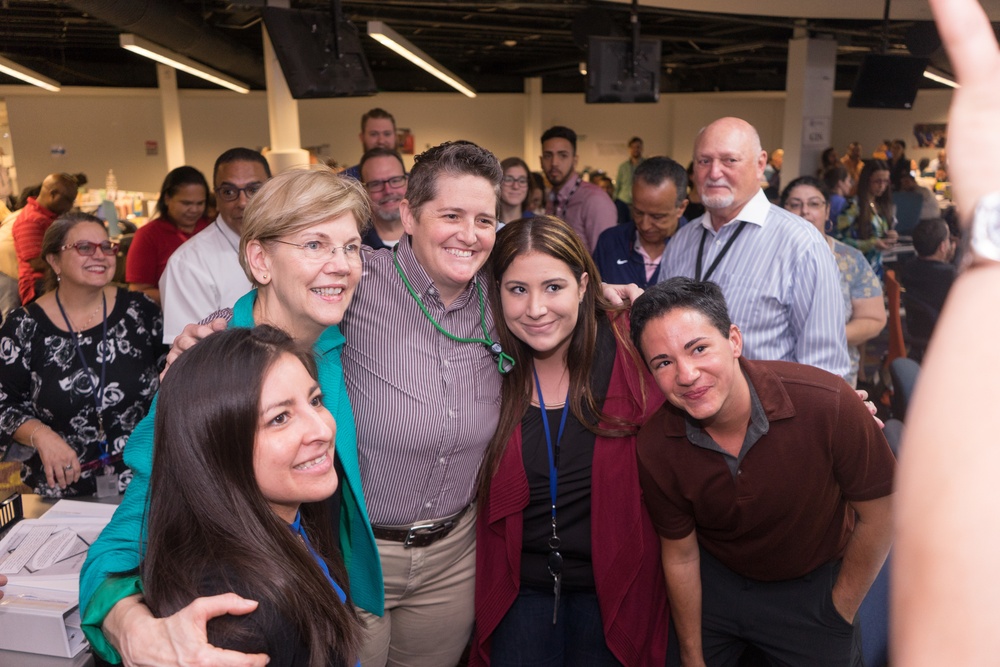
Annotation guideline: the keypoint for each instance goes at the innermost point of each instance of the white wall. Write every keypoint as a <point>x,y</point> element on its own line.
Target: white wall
<point>493,121</point>
<point>103,129</point>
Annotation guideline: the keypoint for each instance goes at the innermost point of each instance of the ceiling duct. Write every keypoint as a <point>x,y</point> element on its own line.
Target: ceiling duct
<point>171,25</point>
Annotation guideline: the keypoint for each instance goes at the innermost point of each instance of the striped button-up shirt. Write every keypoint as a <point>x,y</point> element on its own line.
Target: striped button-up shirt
<point>780,281</point>
<point>425,406</point>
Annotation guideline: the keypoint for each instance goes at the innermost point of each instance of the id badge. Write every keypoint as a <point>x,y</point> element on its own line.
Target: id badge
<point>107,483</point>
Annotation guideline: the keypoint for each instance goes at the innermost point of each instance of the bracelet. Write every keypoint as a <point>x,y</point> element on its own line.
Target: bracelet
<point>31,437</point>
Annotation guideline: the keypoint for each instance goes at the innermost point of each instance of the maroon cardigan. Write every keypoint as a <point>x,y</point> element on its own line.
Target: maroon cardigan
<point>626,549</point>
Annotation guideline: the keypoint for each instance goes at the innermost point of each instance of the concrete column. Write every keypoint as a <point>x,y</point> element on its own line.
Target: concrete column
<point>282,115</point>
<point>808,104</point>
<point>533,122</point>
<point>173,137</point>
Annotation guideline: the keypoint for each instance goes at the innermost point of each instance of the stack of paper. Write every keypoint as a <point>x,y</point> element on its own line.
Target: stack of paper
<point>42,559</point>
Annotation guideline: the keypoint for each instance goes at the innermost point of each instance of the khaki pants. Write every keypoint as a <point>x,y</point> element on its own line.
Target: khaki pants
<point>429,606</point>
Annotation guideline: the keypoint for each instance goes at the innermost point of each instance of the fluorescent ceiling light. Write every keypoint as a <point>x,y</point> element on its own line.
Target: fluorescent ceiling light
<point>933,76</point>
<point>146,48</point>
<point>389,38</point>
<point>24,74</point>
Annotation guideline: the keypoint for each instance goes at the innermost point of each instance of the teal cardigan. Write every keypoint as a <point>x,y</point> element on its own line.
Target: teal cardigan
<point>118,547</point>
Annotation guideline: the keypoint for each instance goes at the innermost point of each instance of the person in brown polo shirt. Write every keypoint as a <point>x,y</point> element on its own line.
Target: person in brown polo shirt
<point>769,484</point>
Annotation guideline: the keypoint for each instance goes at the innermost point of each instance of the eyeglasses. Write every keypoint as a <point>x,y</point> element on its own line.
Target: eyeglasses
<point>799,205</point>
<point>231,193</point>
<point>510,180</point>
<point>320,251</point>
<point>87,248</point>
<point>379,186</point>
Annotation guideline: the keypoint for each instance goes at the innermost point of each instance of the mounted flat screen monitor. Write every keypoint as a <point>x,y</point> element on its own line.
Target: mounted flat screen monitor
<point>608,75</point>
<point>304,43</point>
<point>887,82</point>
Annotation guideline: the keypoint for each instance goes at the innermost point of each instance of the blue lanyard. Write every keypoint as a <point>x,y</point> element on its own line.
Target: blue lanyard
<point>296,527</point>
<point>96,391</point>
<point>553,449</point>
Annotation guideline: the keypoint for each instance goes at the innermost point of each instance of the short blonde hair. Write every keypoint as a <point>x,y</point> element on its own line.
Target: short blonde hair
<point>298,199</point>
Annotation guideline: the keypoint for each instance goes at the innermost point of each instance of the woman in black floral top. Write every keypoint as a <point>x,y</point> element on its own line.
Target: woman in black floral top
<point>78,367</point>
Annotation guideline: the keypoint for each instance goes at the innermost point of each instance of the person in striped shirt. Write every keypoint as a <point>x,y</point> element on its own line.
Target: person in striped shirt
<point>775,269</point>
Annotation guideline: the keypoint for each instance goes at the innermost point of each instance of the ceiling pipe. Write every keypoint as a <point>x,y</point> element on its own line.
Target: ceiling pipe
<point>171,25</point>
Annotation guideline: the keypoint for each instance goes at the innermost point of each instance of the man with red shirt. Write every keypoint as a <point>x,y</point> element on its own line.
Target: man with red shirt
<point>55,198</point>
<point>769,484</point>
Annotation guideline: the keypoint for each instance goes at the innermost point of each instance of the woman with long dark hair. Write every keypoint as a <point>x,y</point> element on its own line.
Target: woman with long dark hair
<point>180,215</point>
<point>567,560</point>
<point>868,222</point>
<point>243,464</point>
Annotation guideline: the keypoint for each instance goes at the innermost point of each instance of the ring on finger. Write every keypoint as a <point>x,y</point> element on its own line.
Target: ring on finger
<point>69,467</point>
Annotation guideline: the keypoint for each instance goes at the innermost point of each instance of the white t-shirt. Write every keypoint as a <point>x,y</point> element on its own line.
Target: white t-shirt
<point>202,276</point>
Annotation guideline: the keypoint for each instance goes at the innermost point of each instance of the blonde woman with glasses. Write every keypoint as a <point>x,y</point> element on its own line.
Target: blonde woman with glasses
<point>301,249</point>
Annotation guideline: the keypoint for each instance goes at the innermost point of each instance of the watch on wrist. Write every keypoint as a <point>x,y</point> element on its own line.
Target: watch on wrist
<point>985,232</point>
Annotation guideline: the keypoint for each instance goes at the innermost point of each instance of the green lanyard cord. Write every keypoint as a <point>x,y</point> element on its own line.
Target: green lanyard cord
<point>504,361</point>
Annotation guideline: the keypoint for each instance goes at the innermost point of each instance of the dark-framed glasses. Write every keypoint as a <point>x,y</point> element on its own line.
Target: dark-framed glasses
<point>379,185</point>
<point>88,248</point>
<point>232,193</point>
<point>520,181</point>
<point>320,251</point>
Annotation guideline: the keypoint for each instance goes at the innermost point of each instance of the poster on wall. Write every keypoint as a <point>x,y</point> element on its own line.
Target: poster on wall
<point>931,135</point>
<point>404,141</point>
<point>816,132</point>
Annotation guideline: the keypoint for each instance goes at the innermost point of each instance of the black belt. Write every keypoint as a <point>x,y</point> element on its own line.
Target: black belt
<point>420,534</point>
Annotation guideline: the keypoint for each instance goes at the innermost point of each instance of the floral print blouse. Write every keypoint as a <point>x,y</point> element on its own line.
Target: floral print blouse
<point>41,377</point>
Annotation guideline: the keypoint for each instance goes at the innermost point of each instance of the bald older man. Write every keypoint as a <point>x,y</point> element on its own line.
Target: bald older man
<point>56,197</point>
<point>775,269</point>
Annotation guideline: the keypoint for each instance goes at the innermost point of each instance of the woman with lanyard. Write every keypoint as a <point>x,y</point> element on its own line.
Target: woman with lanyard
<point>181,215</point>
<point>243,464</point>
<point>568,568</point>
<point>78,367</point>
<point>301,248</point>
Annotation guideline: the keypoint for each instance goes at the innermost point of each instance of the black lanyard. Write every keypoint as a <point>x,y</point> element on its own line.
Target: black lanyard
<point>718,258</point>
<point>97,391</point>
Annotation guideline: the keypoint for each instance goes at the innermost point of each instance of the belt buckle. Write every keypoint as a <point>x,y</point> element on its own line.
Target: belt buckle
<point>429,530</point>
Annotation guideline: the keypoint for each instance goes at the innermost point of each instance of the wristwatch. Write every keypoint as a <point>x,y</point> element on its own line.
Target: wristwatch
<point>985,232</point>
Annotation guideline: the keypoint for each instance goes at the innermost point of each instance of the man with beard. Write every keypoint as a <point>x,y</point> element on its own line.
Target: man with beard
<point>775,269</point>
<point>583,206</point>
<point>384,177</point>
<point>378,130</point>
